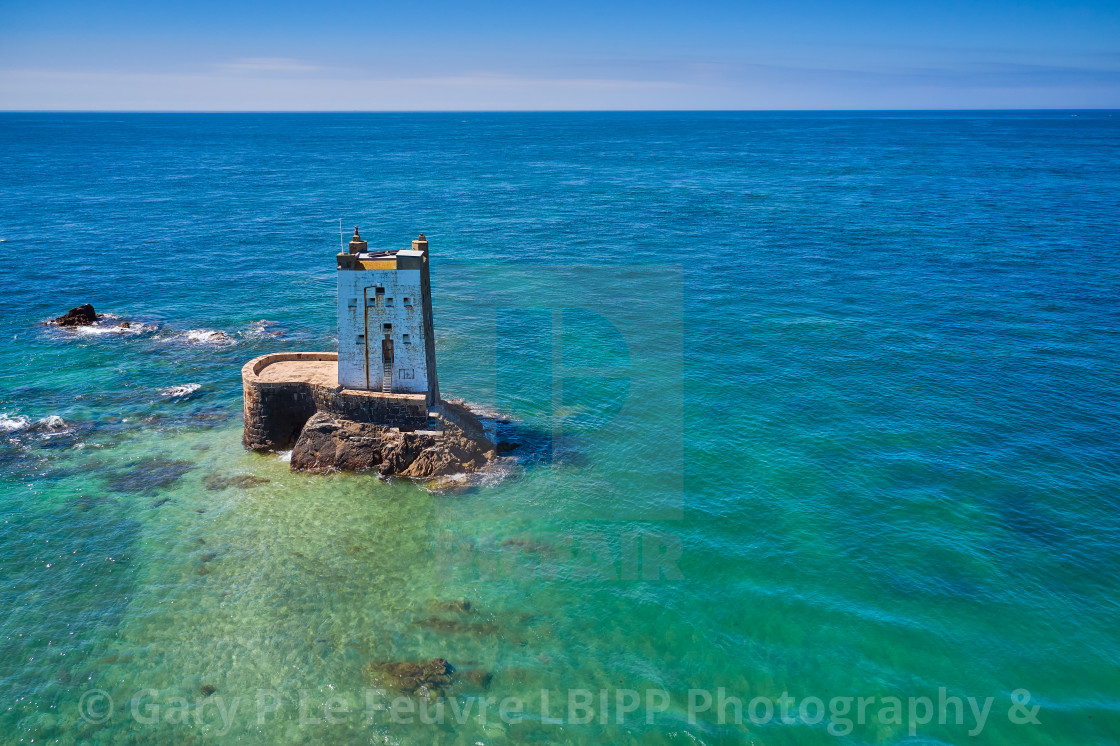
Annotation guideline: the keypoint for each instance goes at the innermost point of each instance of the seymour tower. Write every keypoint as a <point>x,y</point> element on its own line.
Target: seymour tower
<point>375,403</point>
<point>386,340</point>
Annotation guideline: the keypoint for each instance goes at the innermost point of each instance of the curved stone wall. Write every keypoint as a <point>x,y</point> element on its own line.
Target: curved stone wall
<point>276,410</point>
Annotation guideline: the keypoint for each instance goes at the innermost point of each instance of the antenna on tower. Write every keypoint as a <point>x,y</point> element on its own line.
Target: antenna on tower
<point>341,246</point>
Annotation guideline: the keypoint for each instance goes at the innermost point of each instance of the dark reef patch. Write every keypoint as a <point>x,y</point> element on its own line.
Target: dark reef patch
<point>147,476</point>
<point>432,678</point>
<point>216,482</point>
<point>461,606</point>
<point>478,629</point>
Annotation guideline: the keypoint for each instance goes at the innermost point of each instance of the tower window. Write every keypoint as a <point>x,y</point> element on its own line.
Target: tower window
<point>361,339</point>
<point>388,301</point>
<point>406,301</point>
<point>387,327</point>
<point>379,291</point>
<point>404,338</point>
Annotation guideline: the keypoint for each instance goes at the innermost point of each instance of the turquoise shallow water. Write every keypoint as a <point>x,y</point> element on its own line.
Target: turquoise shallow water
<point>817,404</point>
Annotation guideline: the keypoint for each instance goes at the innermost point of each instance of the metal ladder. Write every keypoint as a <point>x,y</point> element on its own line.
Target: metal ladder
<point>386,377</point>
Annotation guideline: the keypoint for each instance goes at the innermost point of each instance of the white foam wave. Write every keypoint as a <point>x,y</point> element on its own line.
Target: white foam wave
<point>492,474</point>
<point>12,424</point>
<point>498,470</point>
<point>176,392</point>
<point>97,330</point>
<point>53,422</point>
<point>111,325</point>
<point>484,412</point>
<point>285,456</point>
<point>263,329</point>
<point>51,425</point>
<point>204,337</point>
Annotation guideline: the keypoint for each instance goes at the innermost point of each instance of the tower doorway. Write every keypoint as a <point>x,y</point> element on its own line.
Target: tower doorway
<point>387,364</point>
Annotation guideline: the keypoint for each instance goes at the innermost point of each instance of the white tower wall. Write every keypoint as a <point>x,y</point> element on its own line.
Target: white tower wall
<point>363,313</point>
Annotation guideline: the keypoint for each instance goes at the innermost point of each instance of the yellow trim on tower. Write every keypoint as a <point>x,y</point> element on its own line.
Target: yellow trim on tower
<point>377,263</point>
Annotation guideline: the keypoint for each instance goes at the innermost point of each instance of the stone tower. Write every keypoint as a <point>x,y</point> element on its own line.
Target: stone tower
<point>386,341</point>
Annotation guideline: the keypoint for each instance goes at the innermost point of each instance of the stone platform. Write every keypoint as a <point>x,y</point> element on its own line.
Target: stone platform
<point>283,390</point>
<point>315,372</point>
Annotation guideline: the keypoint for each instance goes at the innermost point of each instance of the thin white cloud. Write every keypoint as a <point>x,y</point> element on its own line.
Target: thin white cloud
<point>752,87</point>
<point>497,80</point>
<point>269,65</point>
<point>65,90</point>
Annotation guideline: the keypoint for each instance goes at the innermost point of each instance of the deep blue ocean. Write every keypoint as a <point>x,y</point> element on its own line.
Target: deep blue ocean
<point>818,413</point>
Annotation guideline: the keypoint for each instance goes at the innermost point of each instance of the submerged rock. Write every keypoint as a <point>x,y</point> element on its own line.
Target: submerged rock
<point>197,419</point>
<point>526,545</point>
<point>454,625</point>
<point>432,677</point>
<point>83,315</point>
<point>148,475</point>
<point>89,502</point>
<point>462,606</point>
<point>217,482</point>
<point>329,443</point>
<point>478,677</point>
<point>451,485</point>
<point>263,328</point>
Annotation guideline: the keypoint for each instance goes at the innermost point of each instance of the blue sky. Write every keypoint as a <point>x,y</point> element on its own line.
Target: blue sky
<point>799,54</point>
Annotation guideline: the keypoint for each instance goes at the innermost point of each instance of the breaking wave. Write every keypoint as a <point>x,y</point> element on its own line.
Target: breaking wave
<point>51,425</point>
<point>180,392</point>
<point>204,337</point>
<point>492,474</point>
<point>108,325</point>
<point>483,412</point>
<point>10,424</point>
<point>53,422</point>
<point>264,329</point>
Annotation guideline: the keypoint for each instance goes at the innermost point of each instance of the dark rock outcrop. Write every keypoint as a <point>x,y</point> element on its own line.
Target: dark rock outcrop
<point>83,315</point>
<point>330,443</point>
<point>432,677</point>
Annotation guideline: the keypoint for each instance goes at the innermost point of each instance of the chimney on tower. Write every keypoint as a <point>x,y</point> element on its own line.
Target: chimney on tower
<point>357,245</point>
